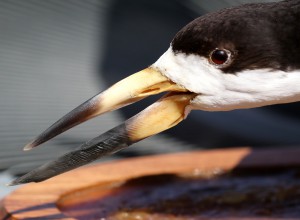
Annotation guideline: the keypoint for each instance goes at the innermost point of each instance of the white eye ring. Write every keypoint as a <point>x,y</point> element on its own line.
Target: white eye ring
<point>220,58</point>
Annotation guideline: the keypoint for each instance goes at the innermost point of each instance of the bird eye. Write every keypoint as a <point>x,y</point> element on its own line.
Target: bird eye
<point>220,57</point>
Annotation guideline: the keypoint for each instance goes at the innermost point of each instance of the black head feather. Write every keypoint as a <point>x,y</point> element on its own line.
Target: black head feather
<point>265,35</point>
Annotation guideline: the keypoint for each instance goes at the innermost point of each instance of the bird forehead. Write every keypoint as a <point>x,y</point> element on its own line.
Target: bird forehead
<point>229,28</point>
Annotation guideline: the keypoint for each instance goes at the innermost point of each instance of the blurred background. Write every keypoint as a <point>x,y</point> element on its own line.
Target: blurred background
<point>56,54</point>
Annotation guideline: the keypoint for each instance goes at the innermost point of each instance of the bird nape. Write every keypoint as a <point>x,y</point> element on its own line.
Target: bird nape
<point>241,57</point>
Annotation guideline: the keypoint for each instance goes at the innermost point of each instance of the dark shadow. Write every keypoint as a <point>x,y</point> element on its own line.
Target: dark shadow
<point>253,195</point>
<point>138,32</point>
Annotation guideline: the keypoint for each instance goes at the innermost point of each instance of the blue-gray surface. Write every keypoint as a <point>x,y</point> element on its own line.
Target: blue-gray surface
<point>50,61</point>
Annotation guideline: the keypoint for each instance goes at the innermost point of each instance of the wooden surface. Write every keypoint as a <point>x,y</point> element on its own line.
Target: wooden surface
<point>39,200</point>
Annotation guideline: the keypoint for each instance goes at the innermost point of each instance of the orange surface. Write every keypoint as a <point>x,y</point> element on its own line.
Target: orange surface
<point>39,200</point>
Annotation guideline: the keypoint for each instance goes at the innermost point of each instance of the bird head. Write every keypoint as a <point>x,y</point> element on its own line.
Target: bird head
<point>230,59</point>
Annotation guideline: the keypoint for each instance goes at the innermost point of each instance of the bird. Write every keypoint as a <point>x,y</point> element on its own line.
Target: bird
<point>235,58</point>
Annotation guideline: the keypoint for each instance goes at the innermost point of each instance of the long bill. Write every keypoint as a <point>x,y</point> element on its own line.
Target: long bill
<point>129,90</point>
<point>161,115</point>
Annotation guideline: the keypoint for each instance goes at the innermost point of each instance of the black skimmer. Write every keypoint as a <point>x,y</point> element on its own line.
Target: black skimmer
<point>241,57</point>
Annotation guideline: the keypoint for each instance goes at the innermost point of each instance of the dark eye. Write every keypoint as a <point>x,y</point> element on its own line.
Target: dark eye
<point>220,57</point>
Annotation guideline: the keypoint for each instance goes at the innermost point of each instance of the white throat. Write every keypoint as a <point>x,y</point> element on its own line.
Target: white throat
<point>219,91</point>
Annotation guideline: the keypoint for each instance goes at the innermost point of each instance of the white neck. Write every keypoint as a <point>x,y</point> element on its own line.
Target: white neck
<point>220,91</point>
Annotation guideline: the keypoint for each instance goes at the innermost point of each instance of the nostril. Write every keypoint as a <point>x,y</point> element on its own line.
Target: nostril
<point>150,91</point>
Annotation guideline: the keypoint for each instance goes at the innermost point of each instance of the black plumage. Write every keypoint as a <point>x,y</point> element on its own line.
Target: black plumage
<point>265,35</point>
